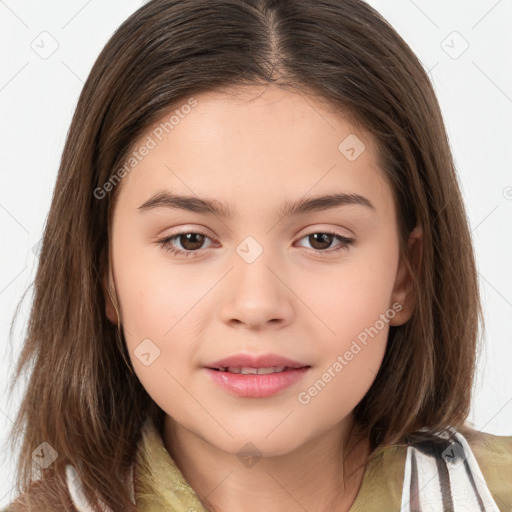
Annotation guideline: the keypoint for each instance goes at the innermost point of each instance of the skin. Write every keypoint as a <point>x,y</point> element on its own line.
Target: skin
<point>291,300</point>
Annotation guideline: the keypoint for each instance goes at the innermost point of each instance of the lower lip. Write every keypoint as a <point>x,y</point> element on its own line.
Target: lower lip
<point>257,386</point>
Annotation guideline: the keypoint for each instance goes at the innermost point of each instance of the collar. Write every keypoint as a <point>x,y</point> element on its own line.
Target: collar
<point>444,472</point>
<point>160,484</point>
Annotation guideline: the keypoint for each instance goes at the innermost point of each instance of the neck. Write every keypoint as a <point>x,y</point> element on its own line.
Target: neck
<point>313,477</point>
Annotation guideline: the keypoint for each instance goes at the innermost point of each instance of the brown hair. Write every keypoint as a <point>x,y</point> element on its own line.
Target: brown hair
<point>83,397</point>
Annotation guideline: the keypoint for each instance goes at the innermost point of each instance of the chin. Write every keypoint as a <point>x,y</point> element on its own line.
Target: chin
<point>255,444</point>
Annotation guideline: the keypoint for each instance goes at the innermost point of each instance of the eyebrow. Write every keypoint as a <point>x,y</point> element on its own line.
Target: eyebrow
<point>166,199</point>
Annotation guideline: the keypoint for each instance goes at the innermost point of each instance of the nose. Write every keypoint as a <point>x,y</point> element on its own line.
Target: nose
<point>256,294</point>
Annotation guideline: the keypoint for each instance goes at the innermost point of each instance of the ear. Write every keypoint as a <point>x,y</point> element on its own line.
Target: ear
<point>110,309</point>
<point>403,291</point>
<point>109,293</point>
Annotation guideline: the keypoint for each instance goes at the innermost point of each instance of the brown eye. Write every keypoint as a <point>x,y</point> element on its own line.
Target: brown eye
<point>191,241</point>
<point>186,243</point>
<point>320,241</point>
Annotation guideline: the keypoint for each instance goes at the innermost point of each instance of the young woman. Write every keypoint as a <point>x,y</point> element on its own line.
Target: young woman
<point>256,288</point>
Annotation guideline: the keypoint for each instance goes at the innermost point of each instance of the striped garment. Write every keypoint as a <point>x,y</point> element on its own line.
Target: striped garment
<point>444,476</point>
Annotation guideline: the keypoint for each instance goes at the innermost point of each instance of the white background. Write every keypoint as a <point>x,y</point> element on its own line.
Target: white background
<point>38,97</point>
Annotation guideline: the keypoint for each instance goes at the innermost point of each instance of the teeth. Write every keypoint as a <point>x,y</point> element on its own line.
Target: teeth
<point>252,371</point>
<point>272,369</point>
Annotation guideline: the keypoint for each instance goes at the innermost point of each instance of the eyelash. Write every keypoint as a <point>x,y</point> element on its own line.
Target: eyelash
<point>165,243</point>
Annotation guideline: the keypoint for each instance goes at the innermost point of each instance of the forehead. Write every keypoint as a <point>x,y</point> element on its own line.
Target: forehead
<point>252,142</point>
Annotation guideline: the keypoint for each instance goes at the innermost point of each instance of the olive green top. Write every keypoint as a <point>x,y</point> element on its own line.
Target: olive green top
<point>161,487</point>
<point>381,488</point>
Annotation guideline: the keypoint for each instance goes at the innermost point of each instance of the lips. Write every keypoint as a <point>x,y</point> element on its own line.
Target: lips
<point>244,361</point>
<point>249,370</point>
<point>256,376</point>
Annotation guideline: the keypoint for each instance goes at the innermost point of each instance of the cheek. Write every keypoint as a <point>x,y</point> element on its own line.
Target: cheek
<point>146,310</point>
<point>350,352</point>
<point>163,304</point>
<point>353,304</point>
<point>157,298</point>
<point>159,312</point>
<point>354,296</point>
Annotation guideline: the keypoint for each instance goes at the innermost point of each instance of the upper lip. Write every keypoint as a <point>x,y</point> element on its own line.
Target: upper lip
<point>255,361</point>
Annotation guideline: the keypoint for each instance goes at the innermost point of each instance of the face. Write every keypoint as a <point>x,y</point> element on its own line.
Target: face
<point>318,286</point>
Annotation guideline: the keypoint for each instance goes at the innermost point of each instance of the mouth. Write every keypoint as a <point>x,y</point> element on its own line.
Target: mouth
<point>250,382</point>
<point>249,362</point>
<point>249,370</point>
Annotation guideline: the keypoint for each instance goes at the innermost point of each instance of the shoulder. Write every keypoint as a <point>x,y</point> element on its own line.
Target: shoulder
<point>37,495</point>
<point>494,457</point>
<point>21,503</point>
